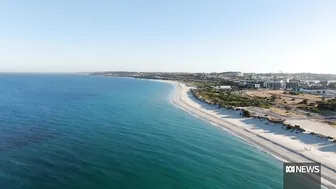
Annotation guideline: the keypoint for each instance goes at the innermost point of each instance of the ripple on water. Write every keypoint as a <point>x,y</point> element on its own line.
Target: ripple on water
<point>101,132</point>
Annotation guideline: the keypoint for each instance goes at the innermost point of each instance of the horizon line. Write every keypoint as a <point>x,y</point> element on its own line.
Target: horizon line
<point>87,72</point>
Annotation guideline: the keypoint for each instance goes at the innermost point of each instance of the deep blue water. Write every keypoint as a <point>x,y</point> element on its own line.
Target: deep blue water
<point>75,131</point>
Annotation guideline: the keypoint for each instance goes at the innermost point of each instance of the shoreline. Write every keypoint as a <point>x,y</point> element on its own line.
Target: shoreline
<point>282,148</point>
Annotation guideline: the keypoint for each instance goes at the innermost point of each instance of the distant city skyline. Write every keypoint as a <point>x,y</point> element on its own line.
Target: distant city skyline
<point>290,36</point>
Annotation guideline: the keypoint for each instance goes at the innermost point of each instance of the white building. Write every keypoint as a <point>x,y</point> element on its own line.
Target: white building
<point>223,87</point>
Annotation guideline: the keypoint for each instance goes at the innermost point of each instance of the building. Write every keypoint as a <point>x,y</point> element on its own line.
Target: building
<point>252,85</point>
<point>276,85</point>
<point>223,87</point>
<point>242,83</point>
<point>293,84</point>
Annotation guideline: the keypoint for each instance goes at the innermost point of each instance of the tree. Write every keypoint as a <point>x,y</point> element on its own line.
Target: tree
<point>246,113</point>
<point>332,85</point>
<point>305,101</point>
<point>229,92</point>
<point>273,98</point>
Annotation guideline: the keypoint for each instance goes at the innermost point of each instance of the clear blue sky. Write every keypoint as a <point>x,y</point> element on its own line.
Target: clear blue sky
<point>175,35</point>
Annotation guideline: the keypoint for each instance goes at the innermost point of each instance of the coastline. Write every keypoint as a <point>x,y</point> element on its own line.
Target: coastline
<point>266,136</point>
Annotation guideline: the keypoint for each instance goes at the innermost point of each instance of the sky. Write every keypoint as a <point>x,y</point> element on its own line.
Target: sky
<point>172,36</point>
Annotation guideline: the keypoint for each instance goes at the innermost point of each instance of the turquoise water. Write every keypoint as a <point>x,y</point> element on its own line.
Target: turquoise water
<point>73,131</point>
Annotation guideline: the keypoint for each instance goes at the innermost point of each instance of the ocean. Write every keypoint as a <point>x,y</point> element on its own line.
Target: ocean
<point>61,131</point>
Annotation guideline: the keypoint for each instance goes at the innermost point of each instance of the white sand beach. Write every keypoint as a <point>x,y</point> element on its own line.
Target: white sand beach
<point>271,138</point>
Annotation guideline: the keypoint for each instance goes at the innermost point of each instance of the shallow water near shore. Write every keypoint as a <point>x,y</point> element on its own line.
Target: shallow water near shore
<point>76,131</point>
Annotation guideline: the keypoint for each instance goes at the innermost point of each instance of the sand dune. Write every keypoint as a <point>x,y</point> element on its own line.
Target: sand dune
<point>272,138</point>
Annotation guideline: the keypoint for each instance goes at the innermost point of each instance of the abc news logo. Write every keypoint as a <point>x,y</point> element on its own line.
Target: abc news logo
<point>303,169</point>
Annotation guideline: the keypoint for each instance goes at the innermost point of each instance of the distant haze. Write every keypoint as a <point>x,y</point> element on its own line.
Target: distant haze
<point>181,36</point>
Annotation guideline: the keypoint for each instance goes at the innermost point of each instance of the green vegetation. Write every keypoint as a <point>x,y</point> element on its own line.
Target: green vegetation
<point>333,123</point>
<point>246,113</point>
<point>288,108</point>
<point>318,107</point>
<point>229,98</point>
<point>273,98</point>
<point>305,101</point>
<point>329,105</point>
<point>332,85</point>
<point>310,109</point>
<point>201,84</point>
<point>294,93</point>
